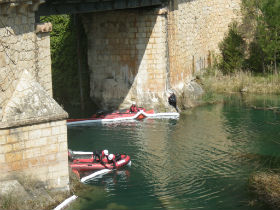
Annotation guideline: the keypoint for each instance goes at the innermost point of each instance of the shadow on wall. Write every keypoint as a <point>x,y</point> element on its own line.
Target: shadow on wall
<point>126,57</point>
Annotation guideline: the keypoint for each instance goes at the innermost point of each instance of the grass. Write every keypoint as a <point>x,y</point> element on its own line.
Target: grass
<point>267,187</point>
<point>38,196</point>
<point>240,81</point>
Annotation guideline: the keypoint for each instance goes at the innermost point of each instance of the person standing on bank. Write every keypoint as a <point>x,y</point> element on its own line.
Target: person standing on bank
<point>172,100</point>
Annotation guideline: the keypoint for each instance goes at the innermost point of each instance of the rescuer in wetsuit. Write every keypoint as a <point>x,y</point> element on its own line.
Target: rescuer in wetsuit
<point>100,155</point>
<point>133,108</point>
<point>112,159</point>
<point>172,100</point>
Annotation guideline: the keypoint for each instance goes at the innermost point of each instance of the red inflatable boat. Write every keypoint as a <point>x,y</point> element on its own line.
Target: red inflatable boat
<point>115,116</point>
<point>88,163</point>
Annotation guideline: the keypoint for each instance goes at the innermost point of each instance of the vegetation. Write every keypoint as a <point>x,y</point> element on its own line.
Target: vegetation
<point>267,186</point>
<point>250,52</point>
<point>254,44</point>
<point>239,81</point>
<point>65,62</point>
<point>38,197</point>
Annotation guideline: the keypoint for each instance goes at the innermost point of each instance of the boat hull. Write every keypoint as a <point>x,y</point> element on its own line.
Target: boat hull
<point>117,117</point>
<point>88,166</point>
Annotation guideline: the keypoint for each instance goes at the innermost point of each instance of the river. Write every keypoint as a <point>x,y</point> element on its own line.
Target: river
<point>201,161</point>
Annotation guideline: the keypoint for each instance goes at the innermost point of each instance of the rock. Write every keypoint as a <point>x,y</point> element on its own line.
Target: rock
<point>12,187</point>
<point>244,90</point>
<point>190,95</point>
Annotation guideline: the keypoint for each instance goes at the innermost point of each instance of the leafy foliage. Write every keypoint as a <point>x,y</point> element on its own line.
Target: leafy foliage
<point>261,29</point>
<point>232,48</point>
<point>268,31</point>
<point>65,61</point>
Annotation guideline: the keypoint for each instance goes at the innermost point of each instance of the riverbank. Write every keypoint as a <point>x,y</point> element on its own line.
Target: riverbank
<point>266,185</point>
<point>23,192</point>
<point>245,82</point>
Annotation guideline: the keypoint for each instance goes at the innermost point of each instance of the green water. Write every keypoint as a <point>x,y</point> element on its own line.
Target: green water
<point>201,161</point>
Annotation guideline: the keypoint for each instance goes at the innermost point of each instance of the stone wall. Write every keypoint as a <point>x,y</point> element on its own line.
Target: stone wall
<point>127,54</point>
<point>195,30</point>
<point>38,150</point>
<point>21,48</point>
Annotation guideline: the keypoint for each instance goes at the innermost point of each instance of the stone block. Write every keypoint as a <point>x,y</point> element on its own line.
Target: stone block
<point>55,130</point>
<point>12,138</point>
<point>48,149</point>
<point>33,162</point>
<point>27,154</point>
<point>6,148</point>
<point>40,142</point>
<point>18,146</point>
<point>52,139</point>
<point>4,132</point>
<point>62,156</point>
<point>3,139</point>
<point>51,157</point>
<point>35,134</point>
<point>16,130</point>
<point>63,129</point>
<point>2,158</point>
<point>13,156</point>
<point>63,147</point>
<point>56,167</point>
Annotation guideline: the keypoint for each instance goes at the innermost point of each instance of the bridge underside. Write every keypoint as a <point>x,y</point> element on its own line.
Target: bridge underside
<point>56,7</point>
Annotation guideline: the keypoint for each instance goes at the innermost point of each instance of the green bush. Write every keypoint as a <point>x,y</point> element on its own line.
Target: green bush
<point>232,51</point>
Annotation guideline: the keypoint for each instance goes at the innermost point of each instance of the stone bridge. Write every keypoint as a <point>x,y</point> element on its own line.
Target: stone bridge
<point>137,50</point>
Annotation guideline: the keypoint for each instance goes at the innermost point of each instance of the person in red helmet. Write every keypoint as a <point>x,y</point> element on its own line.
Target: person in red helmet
<point>99,155</point>
<point>133,107</point>
<point>112,159</point>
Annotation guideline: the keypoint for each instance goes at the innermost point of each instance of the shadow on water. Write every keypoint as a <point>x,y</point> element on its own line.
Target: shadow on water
<point>201,161</point>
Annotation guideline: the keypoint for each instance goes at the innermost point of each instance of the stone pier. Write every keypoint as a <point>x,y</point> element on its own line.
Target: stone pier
<point>33,132</point>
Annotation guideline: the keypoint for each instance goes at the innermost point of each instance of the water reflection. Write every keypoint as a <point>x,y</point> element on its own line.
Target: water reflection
<point>201,161</point>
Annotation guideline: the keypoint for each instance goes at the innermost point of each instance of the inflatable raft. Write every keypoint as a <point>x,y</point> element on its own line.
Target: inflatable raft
<point>122,116</point>
<point>87,162</point>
